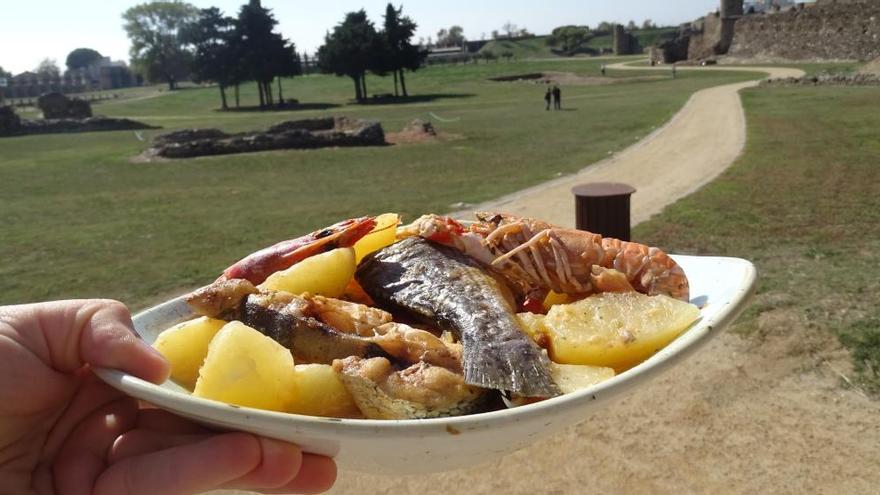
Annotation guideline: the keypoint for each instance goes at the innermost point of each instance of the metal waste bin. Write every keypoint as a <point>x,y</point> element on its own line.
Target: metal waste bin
<point>603,208</point>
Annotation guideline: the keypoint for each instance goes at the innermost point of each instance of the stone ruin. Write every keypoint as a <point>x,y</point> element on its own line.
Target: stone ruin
<point>13,125</point>
<point>58,106</point>
<point>293,134</point>
<point>826,30</point>
<point>623,43</point>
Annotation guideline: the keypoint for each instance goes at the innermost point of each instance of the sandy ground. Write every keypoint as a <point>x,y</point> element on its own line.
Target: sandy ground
<point>739,417</point>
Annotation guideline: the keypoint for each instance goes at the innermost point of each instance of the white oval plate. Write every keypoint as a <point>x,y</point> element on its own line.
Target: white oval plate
<point>721,287</point>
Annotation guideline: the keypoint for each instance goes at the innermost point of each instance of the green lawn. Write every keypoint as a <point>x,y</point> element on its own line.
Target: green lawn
<point>803,203</point>
<point>80,219</point>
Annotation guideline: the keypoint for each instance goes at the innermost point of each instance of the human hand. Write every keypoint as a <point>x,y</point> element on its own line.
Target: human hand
<point>64,431</point>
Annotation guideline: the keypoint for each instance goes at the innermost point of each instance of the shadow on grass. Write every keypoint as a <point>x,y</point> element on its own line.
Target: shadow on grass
<point>390,99</point>
<point>287,107</point>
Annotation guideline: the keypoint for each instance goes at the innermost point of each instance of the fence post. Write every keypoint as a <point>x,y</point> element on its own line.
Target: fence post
<point>603,208</point>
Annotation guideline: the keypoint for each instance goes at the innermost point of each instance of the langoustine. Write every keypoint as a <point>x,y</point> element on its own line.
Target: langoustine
<point>537,257</point>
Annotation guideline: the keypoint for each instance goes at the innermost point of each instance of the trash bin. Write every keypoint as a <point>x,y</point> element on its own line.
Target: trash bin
<point>603,208</point>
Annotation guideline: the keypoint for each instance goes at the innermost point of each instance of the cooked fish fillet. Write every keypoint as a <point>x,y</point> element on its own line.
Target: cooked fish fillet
<point>443,286</point>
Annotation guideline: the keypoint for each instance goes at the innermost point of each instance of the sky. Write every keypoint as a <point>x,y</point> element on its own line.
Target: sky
<point>33,30</point>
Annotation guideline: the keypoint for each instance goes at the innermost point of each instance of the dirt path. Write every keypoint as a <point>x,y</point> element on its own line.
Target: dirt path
<point>739,417</point>
<point>696,145</point>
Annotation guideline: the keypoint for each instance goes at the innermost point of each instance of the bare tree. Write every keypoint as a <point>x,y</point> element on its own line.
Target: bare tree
<point>509,28</point>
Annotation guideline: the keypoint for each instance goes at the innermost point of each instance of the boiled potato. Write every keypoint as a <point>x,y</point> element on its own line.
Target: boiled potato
<point>320,392</point>
<point>573,377</point>
<point>246,368</point>
<point>382,235</point>
<point>533,325</point>
<point>185,346</point>
<point>326,274</point>
<point>554,298</point>
<point>616,330</point>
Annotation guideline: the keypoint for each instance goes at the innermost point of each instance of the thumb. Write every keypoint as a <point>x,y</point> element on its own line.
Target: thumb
<point>67,335</point>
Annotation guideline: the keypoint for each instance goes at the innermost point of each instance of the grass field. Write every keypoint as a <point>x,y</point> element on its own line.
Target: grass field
<point>803,203</point>
<point>80,219</point>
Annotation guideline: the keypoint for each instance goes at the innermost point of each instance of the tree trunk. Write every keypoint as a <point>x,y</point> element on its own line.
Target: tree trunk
<point>262,98</point>
<point>403,83</point>
<point>280,94</point>
<point>170,83</point>
<point>357,87</point>
<point>395,84</point>
<point>237,100</point>
<point>267,89</point>
<point>364,83</point>
<point>223,96</point>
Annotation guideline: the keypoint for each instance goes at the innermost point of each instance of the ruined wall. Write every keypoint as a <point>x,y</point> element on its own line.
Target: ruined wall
<point>845,29</point>
<point>710,36</point>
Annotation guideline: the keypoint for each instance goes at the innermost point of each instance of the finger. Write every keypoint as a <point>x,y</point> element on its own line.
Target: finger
<point>70,334</point>
<point>280,464</point>
<point>82,457</point>
<point>140,442</point>
<point>316,475</point>
<point>192,468</point>
<point>164,421</point>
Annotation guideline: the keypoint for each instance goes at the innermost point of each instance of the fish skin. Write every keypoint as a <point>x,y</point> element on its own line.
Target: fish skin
<point>441,285</point>
<point>310,340</point>
<point>282,317</point>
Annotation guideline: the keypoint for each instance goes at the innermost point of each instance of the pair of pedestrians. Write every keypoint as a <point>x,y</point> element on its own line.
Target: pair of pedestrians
<point>555,95</point>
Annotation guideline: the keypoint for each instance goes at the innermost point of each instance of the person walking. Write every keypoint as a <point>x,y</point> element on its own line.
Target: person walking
<point>557,97</point>
<point>547,97</point>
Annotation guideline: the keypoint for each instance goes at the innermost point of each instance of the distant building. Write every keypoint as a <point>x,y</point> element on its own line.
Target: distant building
<point>102,76</point>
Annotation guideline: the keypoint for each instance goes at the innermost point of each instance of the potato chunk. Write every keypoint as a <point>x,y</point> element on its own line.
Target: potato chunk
<point>533,325</point>
<point>573,377</point>
<point>185,346</point>
<point>383,234</point>
<point>615,330</point>
<point>320,392</point>
<point>246,368</point>
<point>326,274</point>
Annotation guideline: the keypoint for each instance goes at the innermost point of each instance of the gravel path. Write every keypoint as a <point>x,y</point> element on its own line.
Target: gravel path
<point>696,145</point>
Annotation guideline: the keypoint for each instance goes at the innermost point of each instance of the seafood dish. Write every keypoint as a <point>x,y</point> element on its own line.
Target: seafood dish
<point>370,319</point>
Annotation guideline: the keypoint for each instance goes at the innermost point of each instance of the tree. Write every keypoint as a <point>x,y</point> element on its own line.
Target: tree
<point>631,26</point>
<point>4,73</point>
<point>494,34</point>
<point>265,54</point>
<point>452,37</point>
<point>605,27</point>
<point>401,53</point>
<point>349,50</point>
<point>48,69</point>
<point>82,57</point>
<point>648,24</point>
<point>509,28</point>
<point>156,48</point>
<point>216,51</point>
<point>569,38</point>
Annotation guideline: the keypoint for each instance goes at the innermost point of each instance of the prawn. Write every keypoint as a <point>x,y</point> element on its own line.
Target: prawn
<point>257,267</point>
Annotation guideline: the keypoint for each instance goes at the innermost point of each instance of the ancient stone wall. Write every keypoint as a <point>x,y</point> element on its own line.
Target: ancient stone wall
<point>624,43</point>
<point>825,31</point>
